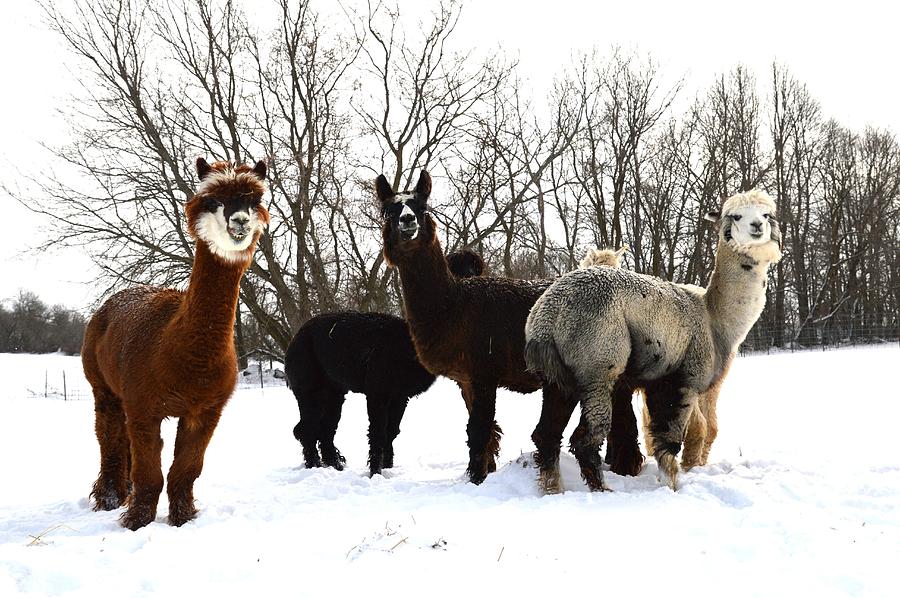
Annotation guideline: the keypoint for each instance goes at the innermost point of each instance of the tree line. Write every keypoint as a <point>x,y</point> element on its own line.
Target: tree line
<point>615,154</point>
<point>31,326</point>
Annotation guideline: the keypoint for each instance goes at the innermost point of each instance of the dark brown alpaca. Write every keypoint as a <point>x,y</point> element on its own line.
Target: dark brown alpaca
<point>470,330</point>
<point>152,353</point>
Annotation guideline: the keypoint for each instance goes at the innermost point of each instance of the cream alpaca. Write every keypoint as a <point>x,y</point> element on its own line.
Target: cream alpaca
<point>598,328</point>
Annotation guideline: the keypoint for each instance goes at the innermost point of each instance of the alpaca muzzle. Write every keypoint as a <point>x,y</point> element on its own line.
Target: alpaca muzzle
<point>239,227</point>
<point>238,233</point>
<point>409,229</point>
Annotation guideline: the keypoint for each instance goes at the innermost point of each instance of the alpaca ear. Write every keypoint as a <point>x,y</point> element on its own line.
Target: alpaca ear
<point>260,170</point>
<point>621,251</point>
<point>423,187</point>
<point>383,189</point>
<point>713,215</point>
<point>776,231</point>
<point>203,168</point>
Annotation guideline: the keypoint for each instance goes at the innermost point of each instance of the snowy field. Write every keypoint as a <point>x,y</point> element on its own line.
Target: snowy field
<point>802,498</point>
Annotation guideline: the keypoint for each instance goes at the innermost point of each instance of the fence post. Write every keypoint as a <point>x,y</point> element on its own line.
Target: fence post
<point>261,385</point>
<point>65,396</point>
<point>45,384</point>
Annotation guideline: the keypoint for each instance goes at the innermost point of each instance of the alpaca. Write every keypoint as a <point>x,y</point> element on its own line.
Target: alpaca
<point>603,257</point>
<point>465,263</point>
<point>150,353</point>
<point>470,330</point>
<point>601,331</point>
<point>622,451</point>
<point>368,353</point>
<point>623,454</point>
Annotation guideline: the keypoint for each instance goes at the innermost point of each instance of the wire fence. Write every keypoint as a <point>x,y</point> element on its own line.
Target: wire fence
<point>830,333</point>
<point>833,333</point>
<point>56,385</point>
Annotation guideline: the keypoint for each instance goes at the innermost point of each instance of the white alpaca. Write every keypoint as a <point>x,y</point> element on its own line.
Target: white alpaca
<point>598,328</point>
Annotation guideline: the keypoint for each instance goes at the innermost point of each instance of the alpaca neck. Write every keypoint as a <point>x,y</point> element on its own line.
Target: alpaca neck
<point>427,283</point>
<point>735,296</point>
<point>210,302</point>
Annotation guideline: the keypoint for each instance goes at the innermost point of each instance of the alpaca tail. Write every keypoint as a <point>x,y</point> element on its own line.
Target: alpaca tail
<point>543,358</point>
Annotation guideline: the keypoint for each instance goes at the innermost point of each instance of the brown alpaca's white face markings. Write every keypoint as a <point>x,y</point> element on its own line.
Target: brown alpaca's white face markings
<point>230,217</point>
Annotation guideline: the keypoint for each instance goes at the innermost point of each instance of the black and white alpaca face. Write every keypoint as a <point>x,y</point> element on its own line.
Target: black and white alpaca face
<point>404,213</point>
<point>230,213</point>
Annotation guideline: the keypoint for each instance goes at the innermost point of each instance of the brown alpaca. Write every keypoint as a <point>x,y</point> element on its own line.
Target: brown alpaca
<point>470,330</point>
<point>151,353</point>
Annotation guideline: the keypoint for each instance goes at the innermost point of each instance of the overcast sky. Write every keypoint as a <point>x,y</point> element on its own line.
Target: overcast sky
<point>847,53</point>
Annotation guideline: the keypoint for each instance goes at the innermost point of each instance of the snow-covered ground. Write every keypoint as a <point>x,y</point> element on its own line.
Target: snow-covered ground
<point>802,498</point>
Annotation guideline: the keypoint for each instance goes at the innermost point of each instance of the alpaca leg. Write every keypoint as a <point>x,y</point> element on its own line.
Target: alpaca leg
<point>330,418</point>
<point>645,424</point>
<point>670,408</point>
<point>110,491</point>
<point>377,408</point>
<point>479,431</point>
<point>694,438</point>
<point>556,410</point>
<point>712,424</point>
<point>596,412</point>
<point>395,415</point>
<point>587,454</point>
<point>623,453</point>
<point>146,472</point>
<point>194,434</point>
<point>708,408</point>
<point>307,429</point>
<point>493,447</point>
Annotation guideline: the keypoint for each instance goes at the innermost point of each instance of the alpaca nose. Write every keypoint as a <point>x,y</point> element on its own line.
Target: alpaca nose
<point>757,225</point>
<point>407,219</point>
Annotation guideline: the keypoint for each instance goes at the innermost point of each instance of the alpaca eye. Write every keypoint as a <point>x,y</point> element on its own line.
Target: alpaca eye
<point>736,217</point>
<point>767,216</point>
<point>212,205</point>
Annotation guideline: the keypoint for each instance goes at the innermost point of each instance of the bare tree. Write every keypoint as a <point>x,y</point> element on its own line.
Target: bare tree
<point>330,102</point>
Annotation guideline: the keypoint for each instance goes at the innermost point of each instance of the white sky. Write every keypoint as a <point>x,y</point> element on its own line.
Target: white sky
<point>847,53</point>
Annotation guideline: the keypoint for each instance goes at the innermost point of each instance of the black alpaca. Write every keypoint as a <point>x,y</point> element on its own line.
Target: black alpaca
<point>368,353</point>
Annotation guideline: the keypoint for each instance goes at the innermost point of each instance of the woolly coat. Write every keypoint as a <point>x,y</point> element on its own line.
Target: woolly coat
<point>619,322</point>
<point>335,342</point>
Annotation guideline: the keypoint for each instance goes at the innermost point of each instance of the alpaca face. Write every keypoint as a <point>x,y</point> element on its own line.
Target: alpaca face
<point>226,212</point>
<point>749,225</point>
<point>404,213</point>
<point>747,220</point>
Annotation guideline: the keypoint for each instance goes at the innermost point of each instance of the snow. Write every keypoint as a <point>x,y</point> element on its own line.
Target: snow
<point>801,497</point>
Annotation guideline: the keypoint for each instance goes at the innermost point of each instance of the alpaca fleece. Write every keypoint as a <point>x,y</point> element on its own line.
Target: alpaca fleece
<point>622,451</point>
<point>150,353</point>
<point>602,332</point>
<point>332,354</point>
<point>469,330</point>
<point>368,353</point>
